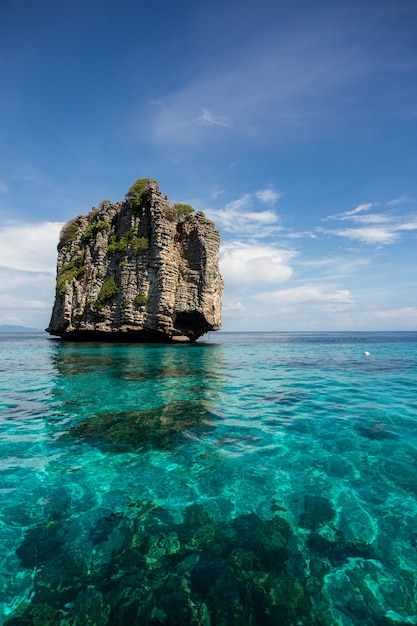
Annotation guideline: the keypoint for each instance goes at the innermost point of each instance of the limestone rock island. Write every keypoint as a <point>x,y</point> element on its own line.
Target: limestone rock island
<point>138,270</point>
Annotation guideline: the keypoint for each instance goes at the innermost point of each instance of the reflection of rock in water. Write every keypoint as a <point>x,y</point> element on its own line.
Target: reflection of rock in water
<point>131,362</point>
<point>83,370</point>
<point>133,430</point>
<point>151,394</point>
<point>145,569</point>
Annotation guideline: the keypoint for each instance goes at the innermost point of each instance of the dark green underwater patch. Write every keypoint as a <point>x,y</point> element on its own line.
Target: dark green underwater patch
<point>129,431</point>
<point>142,568</point>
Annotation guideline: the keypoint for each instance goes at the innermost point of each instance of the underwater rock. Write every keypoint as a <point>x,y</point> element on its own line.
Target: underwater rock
<point>141,567</point>
<point>210,571</point>
<point>35,615</point>
<point>339,551</point>
<point>103,528</point>
<point>89,609</point>
<point>318,510</point>
<point>129,431</point>
<point>338,467</point>
<point>379,432</point>
<point>41,543</point>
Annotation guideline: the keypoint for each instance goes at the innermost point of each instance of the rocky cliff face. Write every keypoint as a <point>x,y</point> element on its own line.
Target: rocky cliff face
<point>138,270</point>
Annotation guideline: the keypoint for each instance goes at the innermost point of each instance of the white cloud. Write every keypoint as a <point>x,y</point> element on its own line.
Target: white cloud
<point>407,225</point>
<point>381,228</point>
<point>233,305</point>
<point>239,218</point>
<point>216,191</point>
<point>335,267</point>
<point>379,234</point>
<point>8,302</point>
<point>240,204</point>
<point>301,235</point>
<point>30,247</point>
<point>408,314</point>
<point>368,234</point>
<point>304,294</point>
<point>373,218</point>
<point>28,257</point>
<point>401,200</point>
<point>347,215</point>
<point>244,264</point>
<point>26,297</point>
<point>270,195</point>
<point>209,119</point>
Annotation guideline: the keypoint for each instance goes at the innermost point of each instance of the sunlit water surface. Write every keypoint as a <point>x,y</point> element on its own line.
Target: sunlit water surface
<point>250,479</point>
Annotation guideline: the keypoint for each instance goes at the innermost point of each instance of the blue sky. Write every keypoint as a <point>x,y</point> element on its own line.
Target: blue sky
<point>293,125</point>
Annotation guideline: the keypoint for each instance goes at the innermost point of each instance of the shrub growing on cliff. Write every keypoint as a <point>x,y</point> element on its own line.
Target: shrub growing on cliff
<point>129,242</point>
<point>94,228</point>
<point>71,270</point>
<point>104,204</point>
<point>178,212</point>
<point>69,232</point>
<point>182,211</point>
<point>108,291</point>
<point>139,192</point>
<point>140,299</point>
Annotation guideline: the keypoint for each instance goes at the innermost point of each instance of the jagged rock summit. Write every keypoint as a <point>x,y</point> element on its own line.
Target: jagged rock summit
<point>138,270</point>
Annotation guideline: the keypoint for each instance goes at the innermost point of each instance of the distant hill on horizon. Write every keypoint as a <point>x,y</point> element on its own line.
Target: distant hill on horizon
<point>10,328</point>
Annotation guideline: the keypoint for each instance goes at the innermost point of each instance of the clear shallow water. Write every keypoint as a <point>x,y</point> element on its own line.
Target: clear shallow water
<point>253,479</point>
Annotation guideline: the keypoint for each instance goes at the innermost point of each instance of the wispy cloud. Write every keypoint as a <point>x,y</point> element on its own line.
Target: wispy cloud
<point>269,195</point>
<point>401,201</point>
<point>334,267</point>
<point>301,234</point>
<point>216,191</point>
<point>370,235</point>
<point>209,119</point>
<point>266,89</point>
<point>378,228</point>
<point>407,313</point>
<point>347,215</point>
<point>304,294</point>
<point>232,305</point>
<point>410,225</point>
<point>240,217</point>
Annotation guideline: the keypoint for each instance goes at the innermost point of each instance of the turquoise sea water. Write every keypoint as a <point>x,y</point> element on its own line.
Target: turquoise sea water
<point>249,479</point>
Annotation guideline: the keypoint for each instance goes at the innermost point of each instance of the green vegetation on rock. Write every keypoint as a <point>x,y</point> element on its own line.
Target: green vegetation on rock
<point>93,228</point>
<point>140,299</point>
<point>104,204</point>
<point>178,212</point>
<point>129,243</point>
<point>182,211</point>
<point>108,291</point>
<point>68,233</point>
<point>71,270</point>
<point>139,192</point>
